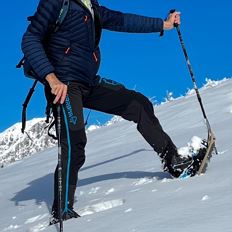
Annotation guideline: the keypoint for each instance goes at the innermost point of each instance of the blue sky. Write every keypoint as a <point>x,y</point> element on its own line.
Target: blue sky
<point>151,64</point>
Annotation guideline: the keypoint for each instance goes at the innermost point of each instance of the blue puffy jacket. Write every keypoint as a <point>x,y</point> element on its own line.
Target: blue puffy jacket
<point>72,52</point>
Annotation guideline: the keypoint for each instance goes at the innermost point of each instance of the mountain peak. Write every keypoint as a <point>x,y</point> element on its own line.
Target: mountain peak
<point>14,145</point>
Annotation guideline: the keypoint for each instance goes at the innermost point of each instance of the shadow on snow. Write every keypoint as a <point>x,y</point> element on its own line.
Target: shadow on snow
<point>41,189</point>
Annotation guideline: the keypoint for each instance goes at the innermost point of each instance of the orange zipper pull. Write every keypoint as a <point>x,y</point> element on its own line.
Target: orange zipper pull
<point>67,50</point>
<point>95,57</point>
<point>86,18</point>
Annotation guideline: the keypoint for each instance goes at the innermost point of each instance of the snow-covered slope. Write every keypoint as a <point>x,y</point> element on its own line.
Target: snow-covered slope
<point>122,187</point>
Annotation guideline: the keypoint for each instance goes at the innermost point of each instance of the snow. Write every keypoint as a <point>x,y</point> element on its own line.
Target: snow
<point>15,146</point>
<point>193,147</point>
<point>122,187</point>
<point>93,127</point>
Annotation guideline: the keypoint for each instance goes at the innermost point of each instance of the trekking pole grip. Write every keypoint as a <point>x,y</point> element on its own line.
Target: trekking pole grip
<point>171,12</point>
<point>176,25</point>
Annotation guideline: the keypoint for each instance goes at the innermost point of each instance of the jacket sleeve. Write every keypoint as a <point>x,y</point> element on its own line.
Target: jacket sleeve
<point>123,22</point>
<point>32,41</point>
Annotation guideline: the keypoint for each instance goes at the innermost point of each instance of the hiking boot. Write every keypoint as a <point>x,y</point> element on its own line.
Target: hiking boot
<point>70,213</point>
<point>179,164</point>
<point>174,163</point>
<point>67,211</point>
<point>54,217</point>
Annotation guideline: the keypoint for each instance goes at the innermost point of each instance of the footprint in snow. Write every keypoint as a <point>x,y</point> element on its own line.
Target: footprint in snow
<point>35,219</point>
<point>11,227</point>
<point>94,190</point>
<point>142,181</point>
<point>102,206</point>
<point>94,200</point>
<point>110,191</point>
<point>134,190</point>
<point>39,227</point>
<point>166,180</point>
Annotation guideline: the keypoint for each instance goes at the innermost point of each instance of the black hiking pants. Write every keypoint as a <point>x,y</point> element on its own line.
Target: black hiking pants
<point>109,97</point>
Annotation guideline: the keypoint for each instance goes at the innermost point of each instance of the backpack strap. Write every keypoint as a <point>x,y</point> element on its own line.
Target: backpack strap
<point>62,15</point>
<point>24,111</point>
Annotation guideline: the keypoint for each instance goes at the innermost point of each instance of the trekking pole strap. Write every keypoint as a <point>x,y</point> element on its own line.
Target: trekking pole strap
<point>62,14</point>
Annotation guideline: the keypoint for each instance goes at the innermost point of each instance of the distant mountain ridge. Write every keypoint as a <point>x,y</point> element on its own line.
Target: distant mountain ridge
<point>15,146</point>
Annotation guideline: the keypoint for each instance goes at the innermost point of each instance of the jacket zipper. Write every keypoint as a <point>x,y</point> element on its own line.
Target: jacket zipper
<point>95,57</point>
<point>92,16</point>
<point>84,6</point>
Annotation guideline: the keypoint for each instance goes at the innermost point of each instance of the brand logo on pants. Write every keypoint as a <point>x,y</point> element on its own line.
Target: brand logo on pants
<point>72,117</point>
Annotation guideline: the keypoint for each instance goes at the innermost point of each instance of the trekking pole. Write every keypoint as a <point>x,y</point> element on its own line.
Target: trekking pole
<point>191,72</point>
<point>211,137</point>
<point>59,166</point>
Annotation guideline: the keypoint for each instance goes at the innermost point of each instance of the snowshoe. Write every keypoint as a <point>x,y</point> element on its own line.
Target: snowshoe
<point>200,159</point>
<point>66,216</point>
<point>173,162</point>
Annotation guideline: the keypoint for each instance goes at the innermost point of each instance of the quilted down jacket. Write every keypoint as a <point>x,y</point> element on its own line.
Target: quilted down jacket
<point>72,52</point>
